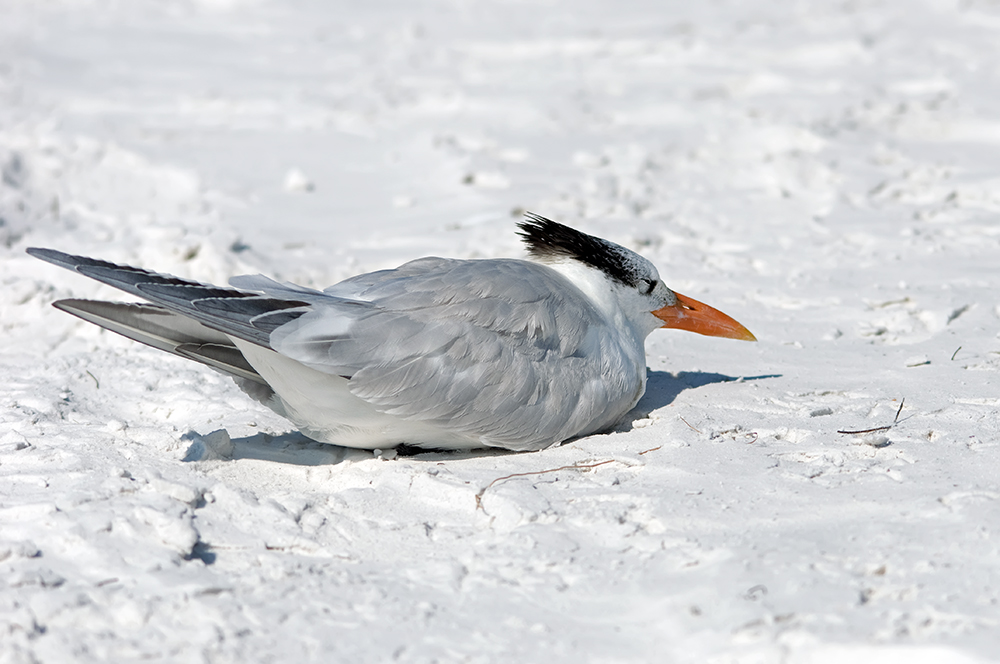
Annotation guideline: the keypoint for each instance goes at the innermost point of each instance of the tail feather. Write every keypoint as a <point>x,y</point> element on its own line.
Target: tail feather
<point>159,328</point>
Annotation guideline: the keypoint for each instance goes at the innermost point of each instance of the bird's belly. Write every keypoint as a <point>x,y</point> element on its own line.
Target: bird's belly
<point>323,408</point>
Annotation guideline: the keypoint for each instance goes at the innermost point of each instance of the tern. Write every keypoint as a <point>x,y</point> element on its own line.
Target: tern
<point>437,353</point>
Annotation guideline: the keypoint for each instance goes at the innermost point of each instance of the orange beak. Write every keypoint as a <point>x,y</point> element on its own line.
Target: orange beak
<point>690,314</point>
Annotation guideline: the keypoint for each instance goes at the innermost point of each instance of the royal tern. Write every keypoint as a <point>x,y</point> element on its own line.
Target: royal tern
<point>437,353</point>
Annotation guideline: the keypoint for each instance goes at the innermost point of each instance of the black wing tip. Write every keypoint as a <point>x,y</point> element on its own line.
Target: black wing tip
<point>49,255</point>
<point>70,261</point>
<point>99,269</point>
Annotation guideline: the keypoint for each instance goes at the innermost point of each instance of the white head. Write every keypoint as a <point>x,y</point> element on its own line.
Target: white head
<point>634,282</point>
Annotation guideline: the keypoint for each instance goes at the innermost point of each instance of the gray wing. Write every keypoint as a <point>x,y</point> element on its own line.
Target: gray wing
<point>155,326</point>
<point>504,349</point>
<point>244,315</point>
<point>193,320</point>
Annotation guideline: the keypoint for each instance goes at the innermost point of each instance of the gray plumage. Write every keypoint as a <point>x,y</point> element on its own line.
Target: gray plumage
<point>437,352</point>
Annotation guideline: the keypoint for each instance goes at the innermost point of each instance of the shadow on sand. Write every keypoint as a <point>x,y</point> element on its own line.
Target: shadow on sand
<point>294,448</point>
<point>663,387</point>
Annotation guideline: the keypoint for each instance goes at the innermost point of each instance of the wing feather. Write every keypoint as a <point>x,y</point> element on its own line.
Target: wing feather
<point>494,348</point>
<point>242,314</point>
<point>154,326</point>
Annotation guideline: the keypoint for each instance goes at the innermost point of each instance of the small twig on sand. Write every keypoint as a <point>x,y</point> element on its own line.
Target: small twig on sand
<point>689,426</point>
<point>96,382</point>
<point>576,466</point>
<point>885,428</point>
<point>651,449</point>
<point>955,353</point>
<point>867,430</point>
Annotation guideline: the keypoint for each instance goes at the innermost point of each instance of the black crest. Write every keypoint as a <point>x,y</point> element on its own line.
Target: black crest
<point>547,239</point>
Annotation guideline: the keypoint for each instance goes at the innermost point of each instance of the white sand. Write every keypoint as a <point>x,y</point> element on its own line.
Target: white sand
<point>825,172</point>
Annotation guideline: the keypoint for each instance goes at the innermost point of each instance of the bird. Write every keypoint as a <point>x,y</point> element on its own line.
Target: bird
<point>438,353</point>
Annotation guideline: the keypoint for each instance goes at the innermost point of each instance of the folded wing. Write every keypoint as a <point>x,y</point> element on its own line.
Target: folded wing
<point>503,349</point>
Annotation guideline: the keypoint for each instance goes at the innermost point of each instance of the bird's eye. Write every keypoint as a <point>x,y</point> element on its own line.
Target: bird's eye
<point>650,285</point>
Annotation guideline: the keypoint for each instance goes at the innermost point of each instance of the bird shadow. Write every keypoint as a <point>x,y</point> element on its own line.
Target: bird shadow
<point>294,448</point>
<point>663,387</point>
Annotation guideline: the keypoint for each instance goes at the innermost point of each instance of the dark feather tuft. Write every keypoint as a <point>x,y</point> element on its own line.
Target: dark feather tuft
<point>547,239</point>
